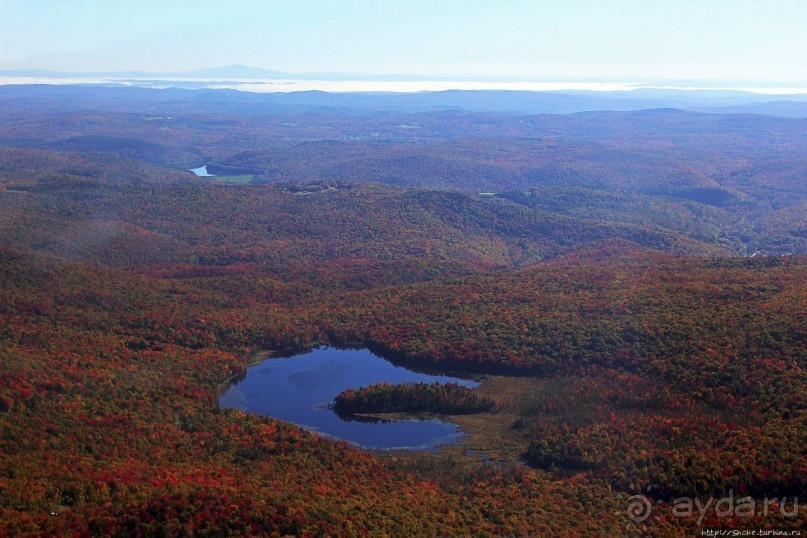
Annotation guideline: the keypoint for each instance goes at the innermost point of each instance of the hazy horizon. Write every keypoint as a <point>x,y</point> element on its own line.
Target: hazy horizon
<point>580,40</point>
<point>390,86</point>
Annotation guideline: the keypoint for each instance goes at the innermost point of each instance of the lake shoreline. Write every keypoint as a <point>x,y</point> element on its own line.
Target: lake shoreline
<point>298,386</point>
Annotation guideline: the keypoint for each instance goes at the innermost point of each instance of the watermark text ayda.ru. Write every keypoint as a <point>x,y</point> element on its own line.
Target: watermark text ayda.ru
<point>639,507</point>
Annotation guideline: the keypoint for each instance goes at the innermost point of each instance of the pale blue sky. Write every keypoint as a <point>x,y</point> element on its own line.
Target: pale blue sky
<point>590,39</point>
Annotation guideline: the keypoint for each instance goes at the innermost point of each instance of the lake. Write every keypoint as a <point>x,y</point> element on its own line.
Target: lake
<point>299,389</point>
<point>201,171</point>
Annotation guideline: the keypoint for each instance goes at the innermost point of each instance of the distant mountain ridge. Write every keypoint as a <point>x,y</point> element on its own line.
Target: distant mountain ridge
<point>108,95</point>
<point>236,71</point>
<point>241,85</point>
<point>240,71</point>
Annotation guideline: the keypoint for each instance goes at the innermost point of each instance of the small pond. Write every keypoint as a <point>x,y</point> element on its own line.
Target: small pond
<point>299,389</point>
<point>201,171</point>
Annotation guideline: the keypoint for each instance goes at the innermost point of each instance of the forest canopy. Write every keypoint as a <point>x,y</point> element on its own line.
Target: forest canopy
<point>634,289</point>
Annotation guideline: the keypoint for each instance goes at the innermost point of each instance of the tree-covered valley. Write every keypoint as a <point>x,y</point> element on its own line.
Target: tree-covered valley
<point>629,286</point>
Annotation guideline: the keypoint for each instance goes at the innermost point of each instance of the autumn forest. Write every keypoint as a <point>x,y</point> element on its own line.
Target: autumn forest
<point>628,288</point>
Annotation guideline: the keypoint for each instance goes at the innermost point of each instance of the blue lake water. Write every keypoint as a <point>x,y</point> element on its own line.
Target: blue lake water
<point>201,171</point>
<point>298,389</point>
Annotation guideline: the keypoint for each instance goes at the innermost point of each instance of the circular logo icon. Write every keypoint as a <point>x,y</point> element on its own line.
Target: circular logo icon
<point>639,508</point>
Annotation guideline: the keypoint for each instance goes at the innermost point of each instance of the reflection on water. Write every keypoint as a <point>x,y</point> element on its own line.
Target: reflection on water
<point>299,389</point>
<point>325,374</point>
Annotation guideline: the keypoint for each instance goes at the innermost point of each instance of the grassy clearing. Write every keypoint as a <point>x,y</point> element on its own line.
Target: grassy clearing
<point>238,180</point>
<point>490,436</point>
